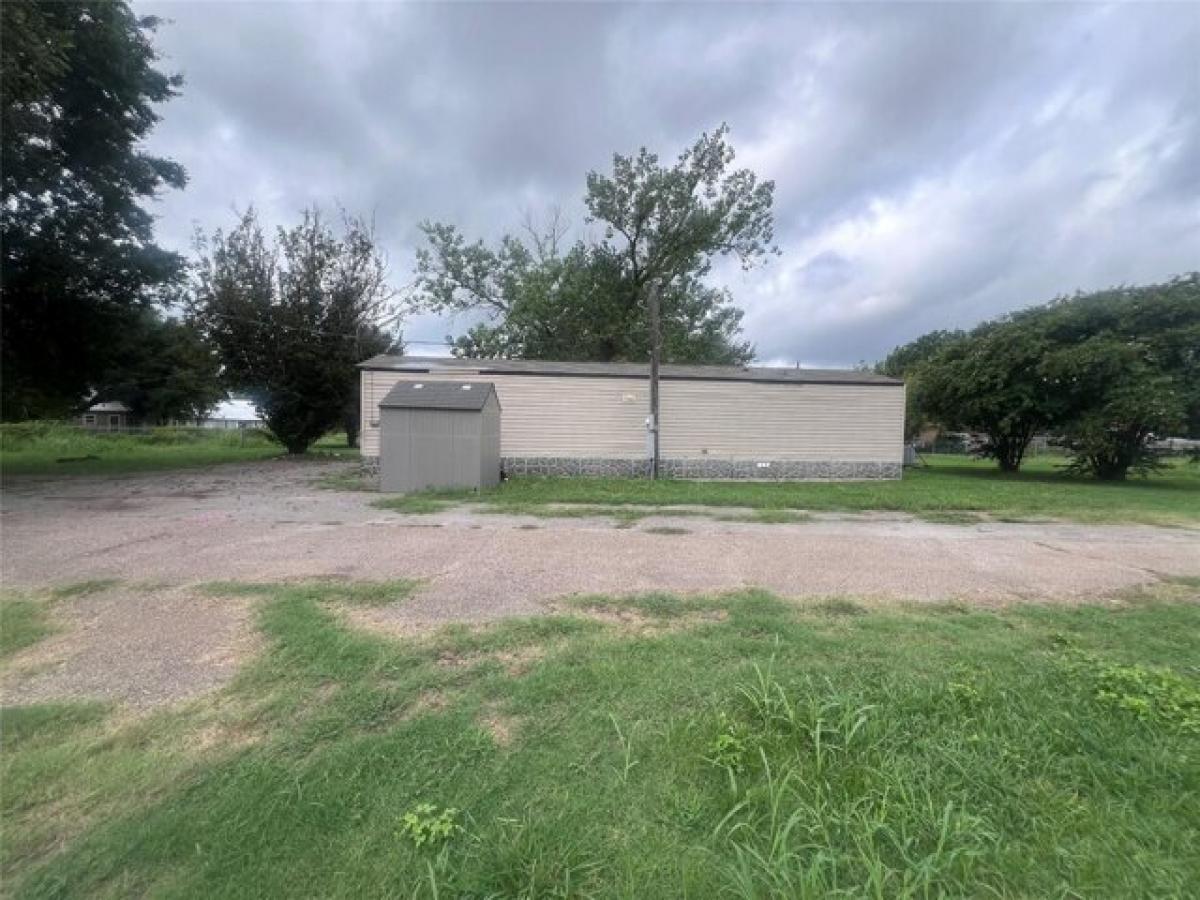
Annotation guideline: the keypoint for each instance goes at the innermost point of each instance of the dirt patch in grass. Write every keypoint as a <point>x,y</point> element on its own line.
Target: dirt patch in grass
<point>502,728</point>
<point>139,648</point>
<point>427,701</point>
<point>515,661</point>
<point>225,737</point>
<point>629,620</point>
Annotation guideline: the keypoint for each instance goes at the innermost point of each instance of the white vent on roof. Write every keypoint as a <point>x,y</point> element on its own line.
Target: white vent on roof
<point>418,386</point>
<point>466,387</point>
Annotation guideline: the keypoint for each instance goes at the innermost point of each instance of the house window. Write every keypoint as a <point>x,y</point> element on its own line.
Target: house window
<point>89,420</point>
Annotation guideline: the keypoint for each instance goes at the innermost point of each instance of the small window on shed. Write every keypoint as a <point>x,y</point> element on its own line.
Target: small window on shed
<point>89,420</point>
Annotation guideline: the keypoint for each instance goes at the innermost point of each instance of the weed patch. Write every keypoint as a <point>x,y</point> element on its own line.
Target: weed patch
<point>950,517</point>
<point>413,504</point>
<point>769,517</point>
<point>24,621</point>
<point>1157,696</point>
<point>83,588</point>
<point>349,480</point>
<point>426,826</point>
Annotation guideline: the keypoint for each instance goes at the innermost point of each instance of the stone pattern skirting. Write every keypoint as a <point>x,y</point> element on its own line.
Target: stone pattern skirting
<point>779,469</point>
<point>703,467</point>
<point>575,465</point>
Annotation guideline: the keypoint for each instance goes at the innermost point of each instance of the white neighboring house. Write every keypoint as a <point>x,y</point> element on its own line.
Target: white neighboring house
<point>233,413</point>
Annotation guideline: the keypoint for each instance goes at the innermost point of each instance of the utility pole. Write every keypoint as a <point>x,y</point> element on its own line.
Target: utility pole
<point>652,308</point>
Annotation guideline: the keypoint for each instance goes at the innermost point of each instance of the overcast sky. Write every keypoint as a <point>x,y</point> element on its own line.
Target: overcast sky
<point>934,165</point>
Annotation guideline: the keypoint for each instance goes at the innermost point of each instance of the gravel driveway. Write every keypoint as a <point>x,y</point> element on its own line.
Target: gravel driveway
<point>269,521</point>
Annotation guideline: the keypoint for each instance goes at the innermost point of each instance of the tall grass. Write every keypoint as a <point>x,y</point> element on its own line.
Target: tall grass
<point>60,448</point>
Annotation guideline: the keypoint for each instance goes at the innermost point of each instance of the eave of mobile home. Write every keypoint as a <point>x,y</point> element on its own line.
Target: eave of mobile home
<point>715,421</point>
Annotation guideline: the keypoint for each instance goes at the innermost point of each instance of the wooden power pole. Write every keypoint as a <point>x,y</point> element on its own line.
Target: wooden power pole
<point>652,308</point>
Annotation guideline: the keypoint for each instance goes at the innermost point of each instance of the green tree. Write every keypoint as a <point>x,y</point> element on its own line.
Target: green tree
<point>990,381</point>
<point>292,319</point>
<point>665,225</point>
<point>79,261</point>
<point>1119,403</point>
<point>163,369</point>
<point>1108,372</point>
<point>1126,365</point>
<point>544,301</point>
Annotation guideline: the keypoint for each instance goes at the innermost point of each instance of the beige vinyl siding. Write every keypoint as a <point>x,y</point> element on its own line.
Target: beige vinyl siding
<point>541,415</point>
<point>555,415</point>
<point>806,422</point>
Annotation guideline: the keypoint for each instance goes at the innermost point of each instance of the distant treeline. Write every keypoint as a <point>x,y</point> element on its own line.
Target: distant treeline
<point>1106,373</point>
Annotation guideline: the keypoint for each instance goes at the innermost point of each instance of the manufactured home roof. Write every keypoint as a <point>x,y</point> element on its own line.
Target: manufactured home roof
<point>421,364</point>
<point>466,395</point>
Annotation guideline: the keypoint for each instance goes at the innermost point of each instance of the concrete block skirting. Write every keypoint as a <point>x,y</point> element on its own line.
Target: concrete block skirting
<point>704,467</point>
<point>775,470</point>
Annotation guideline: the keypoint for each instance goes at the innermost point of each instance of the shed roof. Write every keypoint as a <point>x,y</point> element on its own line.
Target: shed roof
<point>468,395</point>
<point>421,364</point>
<point>113,406</point>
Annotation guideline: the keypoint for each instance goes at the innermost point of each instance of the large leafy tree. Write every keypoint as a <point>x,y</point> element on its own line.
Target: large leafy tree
<point>1118,403</point>
<point>544,301</point>
<point>640,291</point>
<point>1108,373</point>
<point>990,381</point>
<point>292,318</point>
<point>79,261</point>
<point>666,224</point>
<point>1126,366</point>
<point>163,369</point>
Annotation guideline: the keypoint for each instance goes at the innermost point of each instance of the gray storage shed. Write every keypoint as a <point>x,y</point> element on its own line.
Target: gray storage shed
<point>439,434</point>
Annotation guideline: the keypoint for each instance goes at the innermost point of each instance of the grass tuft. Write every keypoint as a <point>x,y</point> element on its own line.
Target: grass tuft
<point>23,622</point>
<point>83,588</point>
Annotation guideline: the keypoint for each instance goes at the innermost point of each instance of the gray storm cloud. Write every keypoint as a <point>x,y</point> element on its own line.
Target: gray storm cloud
<point>935,164</point>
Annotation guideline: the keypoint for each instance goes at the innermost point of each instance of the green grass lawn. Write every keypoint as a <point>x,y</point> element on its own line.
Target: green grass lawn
<point>734,746</point>
<point>43,448</point>
<point>949,488</point>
